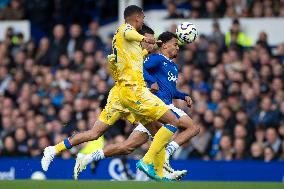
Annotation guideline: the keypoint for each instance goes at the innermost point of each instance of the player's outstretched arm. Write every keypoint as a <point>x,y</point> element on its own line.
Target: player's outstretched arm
<point>131,34</point>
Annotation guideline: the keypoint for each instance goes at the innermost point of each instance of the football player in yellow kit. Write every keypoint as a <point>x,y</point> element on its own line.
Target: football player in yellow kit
<point>140,134</point>
<point>112,112</point>
<point>133,93</point>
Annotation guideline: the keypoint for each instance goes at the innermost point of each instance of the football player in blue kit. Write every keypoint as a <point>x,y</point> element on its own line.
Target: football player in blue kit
<point>161,74</point>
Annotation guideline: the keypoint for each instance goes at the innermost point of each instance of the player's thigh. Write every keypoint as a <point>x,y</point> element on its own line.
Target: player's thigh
<point>151,107</point>
<point>145,106</point>
<point>113,111</point>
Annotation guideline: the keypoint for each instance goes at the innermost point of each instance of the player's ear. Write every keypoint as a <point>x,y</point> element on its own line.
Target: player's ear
<point>137,17</point>
<point>164,46</point>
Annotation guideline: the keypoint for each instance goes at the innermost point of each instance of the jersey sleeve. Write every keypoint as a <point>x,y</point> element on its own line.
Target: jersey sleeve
<point>180,95</point>
<point>145,53</point>
<point>131,34</point>
<point>150,64</point>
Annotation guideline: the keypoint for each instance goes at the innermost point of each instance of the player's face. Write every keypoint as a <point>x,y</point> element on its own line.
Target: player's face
<point>172,48</point>
<point>140,21</point>
<point>147,46</point>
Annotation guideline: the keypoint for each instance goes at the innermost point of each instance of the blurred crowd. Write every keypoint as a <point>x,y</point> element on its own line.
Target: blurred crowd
<point>224,8</point>
<point>49,91</point>
<point>46,12</point>
<point>43,14</point>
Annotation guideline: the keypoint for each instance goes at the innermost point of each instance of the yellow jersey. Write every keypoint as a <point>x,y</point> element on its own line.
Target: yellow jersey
<point>128,68</point>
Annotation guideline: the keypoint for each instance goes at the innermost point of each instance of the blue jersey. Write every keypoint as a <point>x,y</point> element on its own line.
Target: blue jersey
<point>158,68</point>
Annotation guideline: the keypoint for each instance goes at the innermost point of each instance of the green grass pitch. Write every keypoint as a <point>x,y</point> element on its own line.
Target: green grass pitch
<point>62,184</point>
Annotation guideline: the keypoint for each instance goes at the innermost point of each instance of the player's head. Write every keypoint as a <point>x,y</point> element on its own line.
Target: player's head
<point>168,44</point>
<point>148,32</point>
<point>134,15</point>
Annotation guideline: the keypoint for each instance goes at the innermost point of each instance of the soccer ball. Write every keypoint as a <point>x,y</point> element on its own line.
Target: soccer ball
<point>186,32</point>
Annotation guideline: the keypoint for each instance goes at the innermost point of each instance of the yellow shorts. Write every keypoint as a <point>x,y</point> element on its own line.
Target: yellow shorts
<point>113,110</point>
<point>145,106</point>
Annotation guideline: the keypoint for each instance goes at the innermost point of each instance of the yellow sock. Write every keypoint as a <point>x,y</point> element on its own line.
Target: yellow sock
<point>159,162</point>
<point>60,147</point>
<point>161,138</point>
<point>65,144</point>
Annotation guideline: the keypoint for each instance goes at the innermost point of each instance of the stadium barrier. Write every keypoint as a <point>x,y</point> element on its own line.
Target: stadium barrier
<point>113,169</point>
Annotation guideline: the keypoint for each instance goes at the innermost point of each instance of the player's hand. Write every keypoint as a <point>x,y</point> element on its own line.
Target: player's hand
<point>154,87</point>
<point>149,39</point>
<point>111,58</point>
<point>188,101</point>
<point>159,42</point>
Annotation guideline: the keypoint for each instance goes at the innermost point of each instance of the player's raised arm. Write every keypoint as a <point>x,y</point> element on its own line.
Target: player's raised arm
<point>132,35</point>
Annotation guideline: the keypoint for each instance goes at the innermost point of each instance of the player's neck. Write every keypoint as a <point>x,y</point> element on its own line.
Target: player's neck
<point>165,54</point>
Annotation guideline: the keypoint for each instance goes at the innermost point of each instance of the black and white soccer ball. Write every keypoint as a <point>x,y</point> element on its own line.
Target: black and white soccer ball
<point>186,32</point>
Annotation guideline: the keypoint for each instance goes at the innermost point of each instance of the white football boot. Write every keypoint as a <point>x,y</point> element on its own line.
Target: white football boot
<point>173,174</point>
<point>48,155</point>
<point>80,165</point>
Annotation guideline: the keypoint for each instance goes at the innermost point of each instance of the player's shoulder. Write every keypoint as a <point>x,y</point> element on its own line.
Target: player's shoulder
<point>151,58</point>
<point>125,26</point>
<point>156,56</point>
<point>122,28</point>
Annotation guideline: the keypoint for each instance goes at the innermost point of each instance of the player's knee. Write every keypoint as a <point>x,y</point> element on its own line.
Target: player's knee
<point>192,128</point>
<point>175,122</point>
<point>196,129</point>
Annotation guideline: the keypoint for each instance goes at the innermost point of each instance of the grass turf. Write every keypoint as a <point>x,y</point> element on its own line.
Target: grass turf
<point>63,184</point>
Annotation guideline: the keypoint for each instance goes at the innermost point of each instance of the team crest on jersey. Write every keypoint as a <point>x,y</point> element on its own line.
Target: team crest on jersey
<point>172,77</point>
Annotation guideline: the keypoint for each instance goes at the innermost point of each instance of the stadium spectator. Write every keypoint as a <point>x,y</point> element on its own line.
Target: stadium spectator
<point>57,44</point>
<point>269,154</point>
<point>76,40</point>
<point>226,149</point>
<point>9,147</point>
<point>273,140</point>
<point>217,35</point>
<point>265,116</point>
<point>240,149</point>
<point>21,141</point>
<point>200,142</point>
<point>211,10</point>
<point>218,131</point>
<point>172,11</point>
<point>236,36</point>
<point>256,151</point>
<point>92,33</point>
